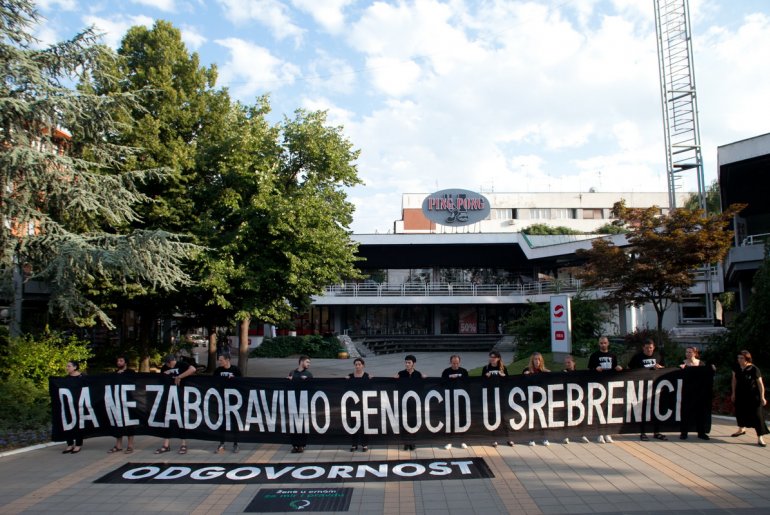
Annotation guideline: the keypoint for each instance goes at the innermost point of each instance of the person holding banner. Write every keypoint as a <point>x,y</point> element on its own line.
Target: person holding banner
<point>494,371</point>
<point>536,365</point>
<point>748,395</point>
<point>410,378</point>
<point>226,371</point>
<point>300,375</point>
<point>600,361</point>
<point>696,403</point>
<point>358,378</point>
<point>121,367</point>
<point>177,370</point>
<point>647,358</point>
<point>76,442</point>
<point>453,376</point>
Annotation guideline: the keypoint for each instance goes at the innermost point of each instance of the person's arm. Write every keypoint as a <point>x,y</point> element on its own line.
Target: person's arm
<point>732,384</point>
<point>187,373</point>
<point>615,363</point>
<point>761,385</point>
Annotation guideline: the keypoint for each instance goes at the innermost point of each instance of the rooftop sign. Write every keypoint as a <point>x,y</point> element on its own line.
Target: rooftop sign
<point>455,207</point>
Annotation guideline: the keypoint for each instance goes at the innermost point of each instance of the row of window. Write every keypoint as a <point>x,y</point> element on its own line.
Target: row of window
<point>546,213</point>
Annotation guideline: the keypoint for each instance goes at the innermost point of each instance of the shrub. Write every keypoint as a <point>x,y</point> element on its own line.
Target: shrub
<point>314,346</point>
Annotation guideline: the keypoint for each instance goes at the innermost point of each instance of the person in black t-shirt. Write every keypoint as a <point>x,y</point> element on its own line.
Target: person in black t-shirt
<point>494,371</point>
<point>748,395</point>
<point>603,359</point>
<point>226,372</point>
<point>650,360</point>
<point>300,375</point>
<point>453,376</point>
<point>358,378</point>
<point>409,376</point>
<point>121,367</point>
<point>74,443</point>
<point>177,370</point>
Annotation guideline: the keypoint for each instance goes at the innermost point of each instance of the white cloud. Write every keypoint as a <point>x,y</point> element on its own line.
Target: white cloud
<point>328,73</point>
<point>115,28</point>
<point>270,13</point>
<point>192,37</point>
<point>164,5</point>
<point>327,13</point>
<point>252,70</point>
<point>394,77</point>
<point>51,5</point>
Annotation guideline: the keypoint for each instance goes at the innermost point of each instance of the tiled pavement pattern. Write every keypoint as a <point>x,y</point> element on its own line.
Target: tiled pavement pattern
<point>724,475</point>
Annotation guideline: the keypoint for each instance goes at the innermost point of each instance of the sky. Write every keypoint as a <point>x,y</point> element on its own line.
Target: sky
<point>490,96</point>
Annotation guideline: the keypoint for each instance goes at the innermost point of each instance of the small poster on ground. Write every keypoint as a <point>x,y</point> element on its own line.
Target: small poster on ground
<point>271,500</point>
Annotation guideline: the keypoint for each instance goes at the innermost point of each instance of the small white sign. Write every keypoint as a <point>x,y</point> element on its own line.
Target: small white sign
<point>561,324</point>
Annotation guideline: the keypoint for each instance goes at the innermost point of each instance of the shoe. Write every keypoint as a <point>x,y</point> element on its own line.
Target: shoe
<point>608,439</point>
<point>301,448</point>
<point>353,448</point>
<point>114,450</point>
<point>163,449</point>
<point>235,448</point>
<point>129,450</point>
<point>364,449</point>
<point>760,442</point>
<point>565,441</point>
<point>546,443</point>
<point>703,436</point>
<point>67,451</point>
<point>463,446</point>
<point>406,447</point>
<point>600,439</point>
<point>643,437</point>
<point>738,433</point>
<point>659,436</point>
<point>448,446</point>
<point>76,450</point>
<point>295,450</point>
<point>494,444</point>
<point>683,436</point>
<point>531,443</point>
<point>585,439</point>
<point>510,443</point>
<point>221,449</point>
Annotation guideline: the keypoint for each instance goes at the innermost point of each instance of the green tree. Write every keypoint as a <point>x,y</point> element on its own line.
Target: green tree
<point>533,331</point>
<point>713,199</point>
<point>67,189</point>
<point>663,254</point>
<point>547,230</point>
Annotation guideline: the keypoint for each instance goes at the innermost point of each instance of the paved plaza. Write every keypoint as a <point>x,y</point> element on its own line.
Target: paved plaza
<point>724,475</point>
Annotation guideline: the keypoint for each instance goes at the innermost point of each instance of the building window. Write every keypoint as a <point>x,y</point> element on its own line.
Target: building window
<point>501,214</point>
<point>562,213</point>
<point>592,214</point>
<point>540,214</point>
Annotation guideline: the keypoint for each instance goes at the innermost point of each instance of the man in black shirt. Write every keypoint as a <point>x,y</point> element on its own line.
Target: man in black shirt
<point>226,371</point>
<point>409,374</point>
<point>178,370</point>
<point>650,360</point>
<point>121,367</point>
<point>455,375</point>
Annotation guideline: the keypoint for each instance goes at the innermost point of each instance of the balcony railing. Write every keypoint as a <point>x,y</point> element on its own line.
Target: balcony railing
<point>755,239</point>
<point>450,289</point>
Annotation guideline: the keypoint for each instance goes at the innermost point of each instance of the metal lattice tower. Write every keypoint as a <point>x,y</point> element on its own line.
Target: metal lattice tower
<point>678,96</point>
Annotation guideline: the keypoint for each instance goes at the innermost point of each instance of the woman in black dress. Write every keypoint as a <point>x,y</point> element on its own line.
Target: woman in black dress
<point>359,377</point>
<point>75,442</point>
<point>749,397</point>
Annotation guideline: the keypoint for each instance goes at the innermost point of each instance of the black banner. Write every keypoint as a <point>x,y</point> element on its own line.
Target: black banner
<point>280,473</point>
<point>338,411</point>
<point>271,500</point>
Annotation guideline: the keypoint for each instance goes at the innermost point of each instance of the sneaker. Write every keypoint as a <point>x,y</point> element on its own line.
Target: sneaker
<point>510,442</point>
<point>235,448</point>
<point>448,446</point>
<point>221,449</point>
<point>608,439</point>
<point>494,444</point>
<point>546,443</point>
<point>463,446</point>
<point>565,441</point>
<point>585,439</point>
<point>531,443</point>
<point>600,439</point>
